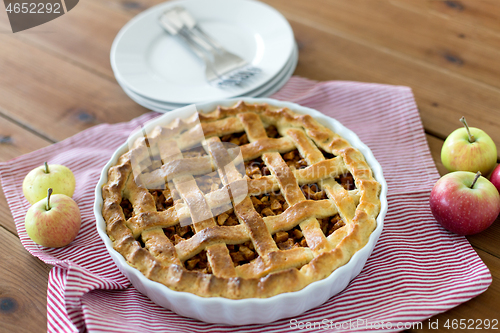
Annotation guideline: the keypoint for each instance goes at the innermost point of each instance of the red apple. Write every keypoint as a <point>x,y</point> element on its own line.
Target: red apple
<point>53,221</point>
<point>495,177</point>
<point>465,203</point>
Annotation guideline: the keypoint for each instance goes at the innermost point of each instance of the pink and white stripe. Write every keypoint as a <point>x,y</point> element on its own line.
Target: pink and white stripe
<point>416,270</point>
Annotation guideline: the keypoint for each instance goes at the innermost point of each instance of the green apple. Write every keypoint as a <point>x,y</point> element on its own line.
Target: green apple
<point>469,149</point>
<point>53,221</point>
<point>38,180</point>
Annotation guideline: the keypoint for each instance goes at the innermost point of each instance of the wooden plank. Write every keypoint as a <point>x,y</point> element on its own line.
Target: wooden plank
<point>79,36</point>
<point>488,239</point>
<point>444,43</point>
<point>441,97</point>
<point>484,13</point>
<point>130,8</point>
<point>64,98</point>
<point>14,141</point>
<point>23,291</point>
<point>445,93</point>
<point>6,220</point>
<point>83,37</point>
<point>435,145</point>
<point>484,306</point>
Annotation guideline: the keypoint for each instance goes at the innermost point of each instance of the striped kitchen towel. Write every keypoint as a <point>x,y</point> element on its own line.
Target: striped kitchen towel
<point>417,268</point>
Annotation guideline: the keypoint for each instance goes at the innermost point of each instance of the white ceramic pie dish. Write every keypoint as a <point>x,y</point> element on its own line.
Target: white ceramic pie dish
<point>254,310</point>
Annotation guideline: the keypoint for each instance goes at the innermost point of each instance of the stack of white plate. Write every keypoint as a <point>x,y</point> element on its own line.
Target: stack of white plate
<point>160,73</point>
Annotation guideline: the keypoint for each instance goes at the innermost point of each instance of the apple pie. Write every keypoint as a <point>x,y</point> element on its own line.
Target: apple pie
<point>265,201</point>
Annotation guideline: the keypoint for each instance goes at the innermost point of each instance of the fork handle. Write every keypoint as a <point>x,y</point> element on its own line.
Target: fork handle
<point>199,41</point>
<point>193,46</point>
<point>199,51</point>
<point>192,25</point>
<point>215,44</point>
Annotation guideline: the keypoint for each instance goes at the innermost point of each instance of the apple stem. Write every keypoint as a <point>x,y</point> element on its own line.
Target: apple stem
<point>478,174</point>
<point>46,167</point>
<point>49,193</point>
<point>471,137</point>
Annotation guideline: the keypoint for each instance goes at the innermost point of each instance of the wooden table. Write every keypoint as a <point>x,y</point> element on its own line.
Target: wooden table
<point>56,80</point>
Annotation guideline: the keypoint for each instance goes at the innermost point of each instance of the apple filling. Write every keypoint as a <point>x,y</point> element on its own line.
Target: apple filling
<point>238,139</point>
<point>313,192</point>
<point>268,204</point>
<point>163,199</point>
<point>347,181</point>
<point>178,234</point>
<point>290,239</point>
<point>209,182</point>
<point>242,253</point>
<point>199,263</point>
<point>294,160</point>
<point>329,224</point>
<point>327,155</point>
<point>127,208</point>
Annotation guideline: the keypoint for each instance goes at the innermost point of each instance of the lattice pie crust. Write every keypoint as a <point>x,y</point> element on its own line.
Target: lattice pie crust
<point>312,203</point>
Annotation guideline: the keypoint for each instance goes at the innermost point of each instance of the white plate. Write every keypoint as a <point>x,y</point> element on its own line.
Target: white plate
<point>268,89</point>
<point>157,66</point>
<point>289,66</point>
<point>253,310</point>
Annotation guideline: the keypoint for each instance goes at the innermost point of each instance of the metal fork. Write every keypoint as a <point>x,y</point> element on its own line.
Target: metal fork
<point>173,29</point>
<point>222,55</point>
<point>229,68</point>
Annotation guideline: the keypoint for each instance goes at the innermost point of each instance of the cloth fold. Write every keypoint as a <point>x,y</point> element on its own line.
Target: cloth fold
<point>417,268</point>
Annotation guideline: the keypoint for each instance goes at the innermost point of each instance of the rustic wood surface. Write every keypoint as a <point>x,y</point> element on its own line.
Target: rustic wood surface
<point>56,80</point>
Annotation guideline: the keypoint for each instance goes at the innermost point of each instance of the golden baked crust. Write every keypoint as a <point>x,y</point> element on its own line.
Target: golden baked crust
<point>141,236</point>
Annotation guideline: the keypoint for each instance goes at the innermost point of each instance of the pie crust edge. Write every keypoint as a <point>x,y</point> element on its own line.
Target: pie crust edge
<point>177,278</point>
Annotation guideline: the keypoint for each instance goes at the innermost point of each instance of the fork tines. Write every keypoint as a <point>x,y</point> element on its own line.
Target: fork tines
<point>222,68</point>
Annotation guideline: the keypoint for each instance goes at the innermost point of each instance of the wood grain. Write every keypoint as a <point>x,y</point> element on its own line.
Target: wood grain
<point>80,37</point>
<point>6,220</point>
<point>474,15</point>
<point>435,145</point>
<point>23,291</point>
<point>15,141</point>
<point>442,94</point>
<point>129,7</point>
<point>442,98</point>
<point>437,40</point>
<point>64,98</point>
<point>84,38</point>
